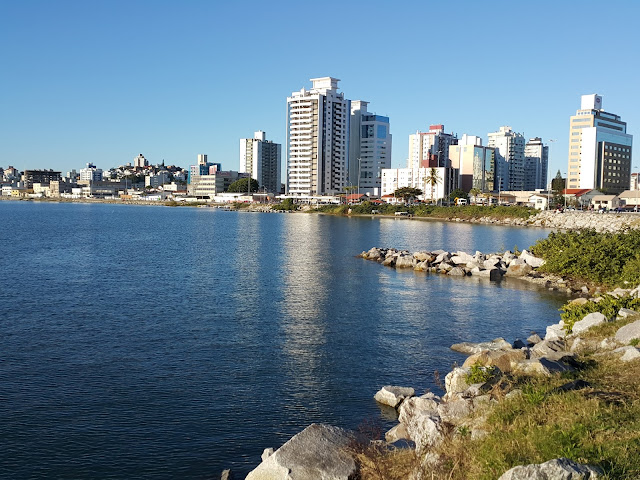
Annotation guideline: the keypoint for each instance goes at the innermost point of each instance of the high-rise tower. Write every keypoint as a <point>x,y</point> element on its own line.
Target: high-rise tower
<point>599,148</point>
<point>261,159</point>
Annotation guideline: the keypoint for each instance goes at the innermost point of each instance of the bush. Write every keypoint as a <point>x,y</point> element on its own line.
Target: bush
<point>480,374</point>
<point>286,205</point>
<point>609,259</point>
<point>609,306</point>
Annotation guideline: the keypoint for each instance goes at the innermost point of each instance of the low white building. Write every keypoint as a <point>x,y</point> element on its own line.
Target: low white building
<point>608,202</point>
<point>395,178</point>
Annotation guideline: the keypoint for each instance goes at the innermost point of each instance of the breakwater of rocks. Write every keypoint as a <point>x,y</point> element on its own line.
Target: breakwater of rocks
<point>494,267</point>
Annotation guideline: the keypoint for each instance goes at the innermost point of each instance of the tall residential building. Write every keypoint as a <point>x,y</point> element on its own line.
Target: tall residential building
<point>599,148</point>
<point>369,148</point>
<point>261,159</point>
<point>536,164</point>
<point>140,161</point>
<point>509,163</point>
<point>317,139</point>
<point>475,163</point>
<point>90,173</point>
<point>430,149</point>
<point>29,177</point>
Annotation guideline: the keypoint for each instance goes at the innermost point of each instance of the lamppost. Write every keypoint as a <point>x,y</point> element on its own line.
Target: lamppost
<point>635,208</point>
<point>548,182</point>
<point>359,178</point>
<point>499,188</point>
<point>564,193</point>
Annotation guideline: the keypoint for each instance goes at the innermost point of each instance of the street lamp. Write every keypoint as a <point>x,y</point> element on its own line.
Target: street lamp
<point>635,208</point>
<point>564,194</point>
<point>548,182</point>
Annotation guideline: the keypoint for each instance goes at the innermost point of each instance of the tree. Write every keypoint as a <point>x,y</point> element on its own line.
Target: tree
<point>407,193</point>
<point>458,193</point>
<point>240,186</point>
<point>557,186</point>
<point>433,179</point>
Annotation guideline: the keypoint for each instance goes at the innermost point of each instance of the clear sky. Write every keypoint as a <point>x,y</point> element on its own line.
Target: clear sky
<point>102,81</point>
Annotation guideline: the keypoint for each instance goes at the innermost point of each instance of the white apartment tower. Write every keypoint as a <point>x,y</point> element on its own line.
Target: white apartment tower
<point>91,173</point>
<point>430,149</point>
<point>599,148</point>
<point>140,161</point>
<point>369,148</point>
<point>317,139</point>
<point>509,163</point>
<point>261,159</point>
<point>536,164</point>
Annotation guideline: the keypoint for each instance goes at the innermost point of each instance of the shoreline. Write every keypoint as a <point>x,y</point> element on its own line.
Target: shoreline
<point>574,220</point>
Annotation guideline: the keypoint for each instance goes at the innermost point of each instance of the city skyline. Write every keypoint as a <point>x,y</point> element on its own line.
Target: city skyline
<point>101,83</point>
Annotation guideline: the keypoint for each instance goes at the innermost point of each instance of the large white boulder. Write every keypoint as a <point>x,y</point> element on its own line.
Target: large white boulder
<point>557,469</point>
<point>592,320</point>
<point>471,348</point>
<point>393,396</point>
<point>628,332</point>
<point>532,260</point>
<point>318,452</point>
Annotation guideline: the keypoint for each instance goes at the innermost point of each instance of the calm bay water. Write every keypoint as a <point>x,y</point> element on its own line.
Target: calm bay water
<point>175,342</point>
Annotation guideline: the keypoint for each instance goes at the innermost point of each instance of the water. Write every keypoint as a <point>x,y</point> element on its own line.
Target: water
<point>174,342</point>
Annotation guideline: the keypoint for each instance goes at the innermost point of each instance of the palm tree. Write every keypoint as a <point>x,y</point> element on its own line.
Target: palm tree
<point>433,179</point>
<point>474,192</point>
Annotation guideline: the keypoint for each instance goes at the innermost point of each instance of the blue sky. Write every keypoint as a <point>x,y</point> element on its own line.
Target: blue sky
<point>101,81</point>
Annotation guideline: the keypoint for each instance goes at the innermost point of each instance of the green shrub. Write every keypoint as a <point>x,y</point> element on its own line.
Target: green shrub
<point>608,259</point>
<point>480,374</point>
<point>286,205</point>
<point>609,306</point>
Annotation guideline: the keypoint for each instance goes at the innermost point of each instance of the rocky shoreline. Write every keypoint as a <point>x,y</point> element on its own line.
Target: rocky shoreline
<point>425,422</point>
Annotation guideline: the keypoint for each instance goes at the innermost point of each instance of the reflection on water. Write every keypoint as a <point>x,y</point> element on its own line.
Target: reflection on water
<point>164,342</point>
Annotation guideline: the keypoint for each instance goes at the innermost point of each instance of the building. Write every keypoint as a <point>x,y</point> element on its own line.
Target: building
<point>90,173</point>
<point>536,164</point>
<point>394,178</point>
<point>208,186</point>
<point>599,148</point>
<point>29,177</point>
<point>317,139</point>
<point>203,167</point>
<point>509,159</point>
<point>260,158</point>
<point>430,149</point>
<point>140,161</point>
<point>369,148</point>
<point>475,163</point>
<point>157,180</point>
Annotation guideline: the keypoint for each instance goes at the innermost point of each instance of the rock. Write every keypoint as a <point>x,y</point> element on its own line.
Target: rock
<point>491,262</point>
<point>627,333</point>
<point>316,452</point>
<point>518,270</point>
<point>373,254</point>
<point>626,312</point>
<point>399,432</point>
<point>426,404</point>
<point>393,396</point>
<point>455,411</point>
<point>457,271</point>
<point>441,257</point>
<point>578,301</point>
<point>470,347</point>
<point>627,353</point>
<point>555,331</point>
<point>445,267</point>
<point>405,261</point>
<point>557,469</point>
<point>389,261</point>
<point>456,380</point>
<point>532,260</point>
<point>517,344</point>
<point>549,348</point>
<point>533,339</point>
<point>426,431</point>
<point>423,256</point>
<point>226,475</point>
<point>592,320</point>
<point>541,366</point>
<point>608,344</point>
<point>503,359</point>
<point>573,385</point>
<point>266,453</point>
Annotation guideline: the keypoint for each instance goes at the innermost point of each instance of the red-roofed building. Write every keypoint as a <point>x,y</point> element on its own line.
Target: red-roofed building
<point>580,196</point>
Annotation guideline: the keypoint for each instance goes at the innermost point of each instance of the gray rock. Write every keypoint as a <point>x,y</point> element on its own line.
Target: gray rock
<point>456,380</point>
<point>627,333</point>
<point>626,312</point>
<point>627,353</point>
<point>541,366</point>
<point>426,404</point>
<point>455,411</point>
<point>226,475</point>
<point>533,339</point>
<point>405,261</point>
<point>519,344</point>
<point>549,348</point>
<point>399,432</point>
<point>389,261</point>
<point>557,469</point>
<point>555,331</point>
<point>423,256</point>
<point>518,270</point>
<point>471,348</point>
<point>426,431</point>
<point>318,452</point>
<point>393,396</point>
<point>592,320</point>
<point>441,257</point>
<point>457,271</point>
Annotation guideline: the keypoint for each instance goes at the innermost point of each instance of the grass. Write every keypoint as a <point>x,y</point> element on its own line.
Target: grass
<point>598,425</point>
